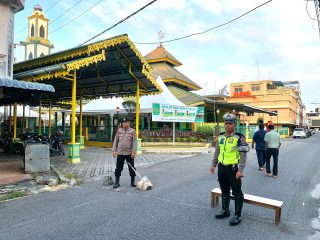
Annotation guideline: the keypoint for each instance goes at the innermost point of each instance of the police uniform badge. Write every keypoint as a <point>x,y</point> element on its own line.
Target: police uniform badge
<point>230,140</point>
<point>243,145</point>
<point>243,140</point>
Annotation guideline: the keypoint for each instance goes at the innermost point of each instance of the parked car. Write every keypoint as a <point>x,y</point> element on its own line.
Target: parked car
<point>299,132</point>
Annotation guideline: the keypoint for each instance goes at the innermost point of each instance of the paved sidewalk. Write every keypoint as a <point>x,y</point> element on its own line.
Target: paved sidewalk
<point>97,161</point>
<point>11,173</point>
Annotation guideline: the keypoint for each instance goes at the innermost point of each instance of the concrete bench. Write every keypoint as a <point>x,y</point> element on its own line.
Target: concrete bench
<point>254,200</point>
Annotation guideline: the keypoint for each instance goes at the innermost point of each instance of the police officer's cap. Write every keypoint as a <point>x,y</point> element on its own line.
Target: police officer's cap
<point>229,118</point>
<point>125,120</point>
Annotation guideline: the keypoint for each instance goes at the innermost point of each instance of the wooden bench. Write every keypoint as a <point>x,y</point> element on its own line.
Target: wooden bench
<point>254,200</point>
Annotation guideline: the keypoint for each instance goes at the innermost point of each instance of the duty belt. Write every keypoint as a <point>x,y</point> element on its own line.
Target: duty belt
<point>228,165</point>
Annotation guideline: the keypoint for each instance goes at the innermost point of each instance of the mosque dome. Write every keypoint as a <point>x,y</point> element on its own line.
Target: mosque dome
<point>37,8</point>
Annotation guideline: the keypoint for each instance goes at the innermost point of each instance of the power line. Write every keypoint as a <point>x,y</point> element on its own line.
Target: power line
<point>210,29</point>
<point>76,17</point>
<point>65,12</point>
<point>118,23</point>
<point>52,6</point>
<point>44,12</point>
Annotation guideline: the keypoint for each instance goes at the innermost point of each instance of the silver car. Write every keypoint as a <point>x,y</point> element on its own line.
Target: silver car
<point>299,132</point>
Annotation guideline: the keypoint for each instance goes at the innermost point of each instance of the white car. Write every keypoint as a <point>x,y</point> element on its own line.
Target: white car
<point>299,132</point>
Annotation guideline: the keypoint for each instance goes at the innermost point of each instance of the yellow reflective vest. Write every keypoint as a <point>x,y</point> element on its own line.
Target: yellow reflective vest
<point>229,148</point>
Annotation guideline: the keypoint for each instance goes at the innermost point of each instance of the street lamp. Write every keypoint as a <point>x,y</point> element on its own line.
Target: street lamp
<point>217,115</point>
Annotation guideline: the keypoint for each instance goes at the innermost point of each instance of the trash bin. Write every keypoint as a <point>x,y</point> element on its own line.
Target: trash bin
<point>37,158</point>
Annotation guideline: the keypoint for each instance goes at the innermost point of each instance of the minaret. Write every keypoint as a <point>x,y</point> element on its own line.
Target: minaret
<point>37,43</point>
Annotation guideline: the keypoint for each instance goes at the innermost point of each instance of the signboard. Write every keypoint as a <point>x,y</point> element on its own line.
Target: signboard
<point>172,113</point>
<point>242,94</point>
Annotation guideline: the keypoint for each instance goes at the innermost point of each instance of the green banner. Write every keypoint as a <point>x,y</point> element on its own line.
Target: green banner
<point>172,113</point>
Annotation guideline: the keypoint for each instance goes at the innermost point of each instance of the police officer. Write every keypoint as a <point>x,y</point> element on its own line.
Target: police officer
<point>124,148</point>
<point>230,156</point>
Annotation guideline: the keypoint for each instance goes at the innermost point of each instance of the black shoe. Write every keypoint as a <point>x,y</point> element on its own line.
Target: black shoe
<point>132,181</point>
<point>235,220</point>
<point>116,185</point>
<point>223,214</point>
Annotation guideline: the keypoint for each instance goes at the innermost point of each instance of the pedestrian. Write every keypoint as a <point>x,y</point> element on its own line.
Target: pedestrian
<point>258,140</point>
<point>230,156</point>
<point>124,149</point>
<point>273,143</point>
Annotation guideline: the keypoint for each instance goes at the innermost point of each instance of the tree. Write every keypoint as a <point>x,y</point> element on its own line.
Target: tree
<point>130,107</point>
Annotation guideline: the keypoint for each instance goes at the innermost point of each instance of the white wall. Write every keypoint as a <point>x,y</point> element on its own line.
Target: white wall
<point>6,40</point>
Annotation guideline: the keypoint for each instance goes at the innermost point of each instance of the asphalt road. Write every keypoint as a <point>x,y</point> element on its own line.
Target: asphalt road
<point>179,205</point>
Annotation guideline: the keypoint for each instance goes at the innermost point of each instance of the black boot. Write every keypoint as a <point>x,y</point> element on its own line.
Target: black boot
<point>116,184</point>
<point>238,203</point>
<point>225,212</point>
<point>132,181</point>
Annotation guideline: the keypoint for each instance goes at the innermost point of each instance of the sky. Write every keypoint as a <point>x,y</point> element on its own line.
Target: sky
<point>278,41</point>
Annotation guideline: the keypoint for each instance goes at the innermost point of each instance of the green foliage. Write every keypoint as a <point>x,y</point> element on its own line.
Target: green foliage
<point>193,139</point>
<point>143,138</point>
<point>207,130</point>
<point>12,195</point>
<point>70,176</point>
<point>130,107</point>
<point>178,139</point>
<point>151,139</point>
<point>202,140</point>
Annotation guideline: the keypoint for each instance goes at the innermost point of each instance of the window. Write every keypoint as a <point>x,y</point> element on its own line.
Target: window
<point>32,30</point>
<point>42,31</point>
<point>238,89</point>
<point>30,56</point>
<point>255,87</point>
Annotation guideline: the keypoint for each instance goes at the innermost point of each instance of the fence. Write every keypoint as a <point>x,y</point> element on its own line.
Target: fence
<point>244,130</point>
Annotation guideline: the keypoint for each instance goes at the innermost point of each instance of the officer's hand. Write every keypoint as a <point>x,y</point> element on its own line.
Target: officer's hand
<point>114,154</point>
<point>133,155</point>
<point>212,170</point>
<point>239,174</point>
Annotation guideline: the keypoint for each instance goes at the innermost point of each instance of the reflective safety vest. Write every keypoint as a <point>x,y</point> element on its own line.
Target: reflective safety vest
<point>229,153</point>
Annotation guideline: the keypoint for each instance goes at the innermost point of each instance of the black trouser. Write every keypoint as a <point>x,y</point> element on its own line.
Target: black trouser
<point>227,179</point>
<point>120,162</point>
<point>274,152</point>
<point>261,155</point>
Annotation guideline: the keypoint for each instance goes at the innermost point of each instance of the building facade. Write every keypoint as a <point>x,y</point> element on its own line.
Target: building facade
<point>313,119</point>
<point>7,11</point>
<point>37,43</point>
<point>277,96</point>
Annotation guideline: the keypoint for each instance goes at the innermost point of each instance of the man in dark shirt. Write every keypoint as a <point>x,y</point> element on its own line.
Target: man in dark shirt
<point>258,139</point>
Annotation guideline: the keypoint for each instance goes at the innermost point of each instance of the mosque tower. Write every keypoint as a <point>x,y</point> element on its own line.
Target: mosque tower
<point>37,43</point>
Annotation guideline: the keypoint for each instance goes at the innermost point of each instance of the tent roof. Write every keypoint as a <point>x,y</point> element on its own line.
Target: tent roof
<point>27,112</point>
<point>108,106</point>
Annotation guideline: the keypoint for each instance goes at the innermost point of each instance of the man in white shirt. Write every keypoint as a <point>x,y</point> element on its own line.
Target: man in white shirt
<point>273,143</point>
